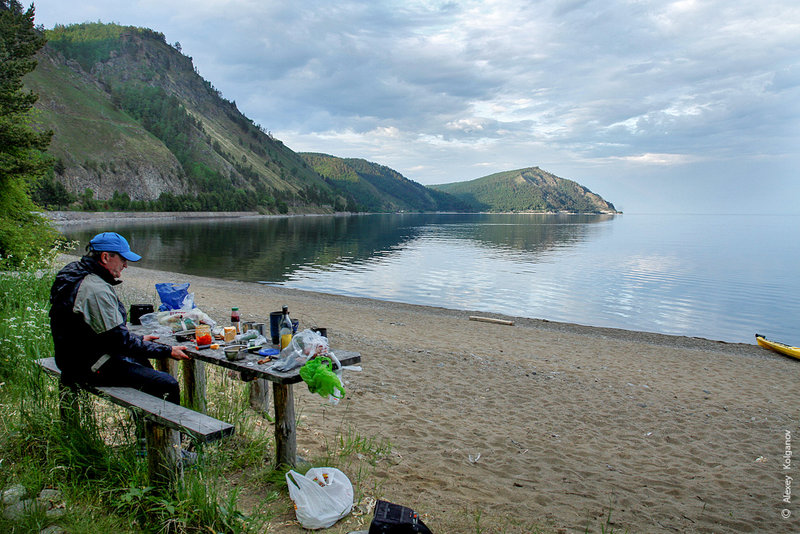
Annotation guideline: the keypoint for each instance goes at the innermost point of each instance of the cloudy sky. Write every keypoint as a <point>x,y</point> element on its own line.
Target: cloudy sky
<point>686,106</point>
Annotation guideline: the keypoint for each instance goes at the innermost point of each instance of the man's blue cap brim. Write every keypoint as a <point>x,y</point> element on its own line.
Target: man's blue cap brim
<point>113,242</point>
<point>130,256</point>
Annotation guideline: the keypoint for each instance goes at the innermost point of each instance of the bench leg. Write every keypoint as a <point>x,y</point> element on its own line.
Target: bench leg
<point>285,426</point>
<point>163,455</point>
<point>259,395</point>
<point>69,404</point>
<point>194,384</point>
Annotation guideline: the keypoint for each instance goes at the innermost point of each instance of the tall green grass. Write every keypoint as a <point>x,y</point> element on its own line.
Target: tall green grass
<point>95,462</point>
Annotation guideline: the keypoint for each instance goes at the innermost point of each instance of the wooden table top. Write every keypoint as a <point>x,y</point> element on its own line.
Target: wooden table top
<point>249,364</point>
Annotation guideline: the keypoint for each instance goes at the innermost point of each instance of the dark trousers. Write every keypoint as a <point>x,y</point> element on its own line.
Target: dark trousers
<point>137,374</point>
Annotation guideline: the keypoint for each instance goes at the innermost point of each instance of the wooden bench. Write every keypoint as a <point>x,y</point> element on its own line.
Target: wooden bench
<point>164,421</point>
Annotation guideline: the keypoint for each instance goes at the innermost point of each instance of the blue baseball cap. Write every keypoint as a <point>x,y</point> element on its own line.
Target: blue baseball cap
<point>113,242</point>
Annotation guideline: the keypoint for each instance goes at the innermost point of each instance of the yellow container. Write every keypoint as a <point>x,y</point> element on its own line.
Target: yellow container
<point>228,333</point>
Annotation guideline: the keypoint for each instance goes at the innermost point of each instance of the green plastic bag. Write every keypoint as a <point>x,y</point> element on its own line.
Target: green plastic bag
<point>318,374</point>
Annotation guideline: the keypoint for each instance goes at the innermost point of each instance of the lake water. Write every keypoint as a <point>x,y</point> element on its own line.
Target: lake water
<point>721,277</point>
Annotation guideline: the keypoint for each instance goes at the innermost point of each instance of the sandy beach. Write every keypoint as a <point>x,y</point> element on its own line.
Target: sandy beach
<point>542,425</point>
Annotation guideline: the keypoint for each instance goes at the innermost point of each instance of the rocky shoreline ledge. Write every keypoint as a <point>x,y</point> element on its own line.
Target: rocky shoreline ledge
<point>81,217</point>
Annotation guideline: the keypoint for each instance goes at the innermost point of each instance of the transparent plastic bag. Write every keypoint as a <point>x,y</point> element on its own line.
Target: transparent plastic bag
<point>322,496</point>
<point>304,345</point>
<point>178,320</point>
<point>150,322</point>
<point>197,316</point>
<point>149,319</point>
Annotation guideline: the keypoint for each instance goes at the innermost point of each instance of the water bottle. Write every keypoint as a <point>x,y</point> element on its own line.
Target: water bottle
<point>285,328</point>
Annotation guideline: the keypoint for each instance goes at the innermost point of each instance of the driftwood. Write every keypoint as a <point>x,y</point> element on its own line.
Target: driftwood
<point>491,320</point>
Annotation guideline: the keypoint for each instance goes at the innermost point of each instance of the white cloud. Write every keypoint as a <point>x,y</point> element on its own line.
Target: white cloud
<point>442,90</point>
<point>657,159</point>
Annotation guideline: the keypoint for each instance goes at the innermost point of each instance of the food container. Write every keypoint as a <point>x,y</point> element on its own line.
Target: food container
<point>235,352</point>
<point>228,333</point>
<point>202,334</point>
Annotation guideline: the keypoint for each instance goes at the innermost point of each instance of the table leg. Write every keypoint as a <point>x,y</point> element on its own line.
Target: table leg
<point>285,426</point>
<point>194,384</point>
<point>259,395</point>
<point>167,365</point>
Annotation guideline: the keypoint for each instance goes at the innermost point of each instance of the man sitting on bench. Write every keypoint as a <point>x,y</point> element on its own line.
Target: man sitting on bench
<point>92,342</point>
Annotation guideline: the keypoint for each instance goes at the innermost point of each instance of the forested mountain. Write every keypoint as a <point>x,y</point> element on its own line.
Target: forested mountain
<point>136,127</point>
<point>134,121</point>
<point>376,187</point>
<point>530,189</point>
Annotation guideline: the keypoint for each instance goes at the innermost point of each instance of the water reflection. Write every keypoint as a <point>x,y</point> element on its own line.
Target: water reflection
<point>688,275</point>
<point>527,232</point>
<point>273,249</point>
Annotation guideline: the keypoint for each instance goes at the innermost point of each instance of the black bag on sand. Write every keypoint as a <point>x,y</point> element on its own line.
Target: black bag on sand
<point>395,519</point>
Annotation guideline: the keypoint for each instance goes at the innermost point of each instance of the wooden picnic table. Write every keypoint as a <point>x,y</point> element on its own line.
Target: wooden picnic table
<point>194,385</point>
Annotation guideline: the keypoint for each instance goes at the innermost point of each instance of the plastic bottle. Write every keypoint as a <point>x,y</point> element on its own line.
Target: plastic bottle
<point>285,328</point>
<point>235,320</point>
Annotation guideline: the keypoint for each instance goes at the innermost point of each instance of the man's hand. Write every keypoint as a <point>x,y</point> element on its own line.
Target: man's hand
<point>178,354</point>
<point>149,337</point>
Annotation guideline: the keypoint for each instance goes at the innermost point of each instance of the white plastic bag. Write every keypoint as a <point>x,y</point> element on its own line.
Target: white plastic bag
<point>321,497</point>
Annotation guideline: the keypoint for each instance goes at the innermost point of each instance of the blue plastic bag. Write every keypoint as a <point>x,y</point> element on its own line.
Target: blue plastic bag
<point>175,296</point>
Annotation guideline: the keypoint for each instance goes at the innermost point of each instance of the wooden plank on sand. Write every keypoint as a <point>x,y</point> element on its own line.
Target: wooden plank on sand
<point>491,320</point>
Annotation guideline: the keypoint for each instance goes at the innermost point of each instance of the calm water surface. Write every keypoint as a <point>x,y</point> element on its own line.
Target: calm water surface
<point>715,276</point>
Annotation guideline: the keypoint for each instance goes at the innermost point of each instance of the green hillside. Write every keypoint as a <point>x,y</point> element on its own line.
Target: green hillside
<point>526,190</point>
<point>136,127</point>
<point>132,116</point>
<point>378,188</point>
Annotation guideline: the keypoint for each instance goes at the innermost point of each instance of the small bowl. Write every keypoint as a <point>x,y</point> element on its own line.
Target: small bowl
<point>235,352</point>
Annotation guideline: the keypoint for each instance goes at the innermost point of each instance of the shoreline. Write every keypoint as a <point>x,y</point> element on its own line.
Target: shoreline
<point>540,424</point>
<point>68,218</point>
<point>621,334</point>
